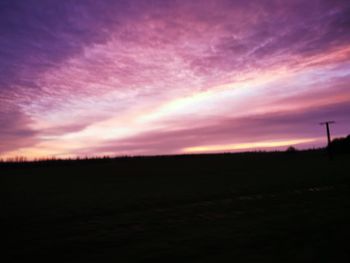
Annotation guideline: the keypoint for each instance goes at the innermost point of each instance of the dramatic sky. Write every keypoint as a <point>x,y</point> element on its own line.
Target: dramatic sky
<point>87,78</point>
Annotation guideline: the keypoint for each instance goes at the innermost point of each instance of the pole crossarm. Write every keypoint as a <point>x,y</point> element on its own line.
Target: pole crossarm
<point>327,122</point>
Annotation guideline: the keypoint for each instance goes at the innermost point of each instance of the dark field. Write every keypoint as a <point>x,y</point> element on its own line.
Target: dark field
<point>255,207</point>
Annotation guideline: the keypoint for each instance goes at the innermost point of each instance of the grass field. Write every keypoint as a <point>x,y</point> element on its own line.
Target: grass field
<point>252,207</point>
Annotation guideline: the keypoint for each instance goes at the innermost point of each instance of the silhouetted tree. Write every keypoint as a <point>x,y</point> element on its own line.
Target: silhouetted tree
<point>291,149</point>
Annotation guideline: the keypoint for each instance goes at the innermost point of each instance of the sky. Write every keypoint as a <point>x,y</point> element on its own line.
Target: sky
<point>124,77</point>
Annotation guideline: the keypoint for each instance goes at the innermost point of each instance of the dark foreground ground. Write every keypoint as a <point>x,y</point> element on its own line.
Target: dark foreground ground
<point>267,207</point>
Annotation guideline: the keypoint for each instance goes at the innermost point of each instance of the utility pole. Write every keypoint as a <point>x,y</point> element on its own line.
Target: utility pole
<point>326,123</point>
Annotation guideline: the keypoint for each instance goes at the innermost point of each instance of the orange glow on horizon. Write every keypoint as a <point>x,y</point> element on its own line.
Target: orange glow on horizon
<point>246,146</point>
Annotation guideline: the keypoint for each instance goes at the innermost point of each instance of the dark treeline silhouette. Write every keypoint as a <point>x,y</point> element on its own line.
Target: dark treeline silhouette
<point>338,145</point>
<point>21,162</point>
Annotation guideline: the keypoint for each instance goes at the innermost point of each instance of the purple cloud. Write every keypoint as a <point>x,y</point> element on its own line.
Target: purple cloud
<point>15,132</point>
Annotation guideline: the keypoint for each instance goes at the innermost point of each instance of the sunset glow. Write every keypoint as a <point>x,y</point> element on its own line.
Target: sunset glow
<point>93,78</point>
<point>244,146</point>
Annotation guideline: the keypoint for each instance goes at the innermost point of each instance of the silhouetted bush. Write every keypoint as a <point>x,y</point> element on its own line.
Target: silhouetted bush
<point>341,145</point>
